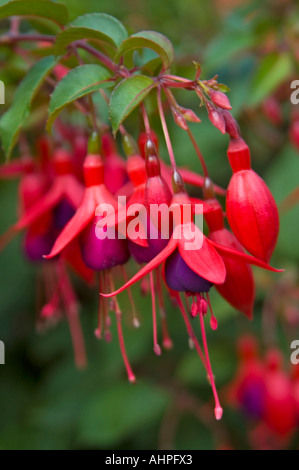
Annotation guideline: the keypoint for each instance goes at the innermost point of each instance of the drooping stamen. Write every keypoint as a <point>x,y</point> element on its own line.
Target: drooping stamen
<point>213,321</point>
<point>190,331</point>
<point>51,308</point>
<point>106,307</point>
<point>157,348</point>
<point>98,330</point>
<point>144,284</point>
<point>71,308</point>
<point>136,321</point>
<point>218,410</point>
<point>194,308</point>
<point>166,340</point>
<point>118,314</point>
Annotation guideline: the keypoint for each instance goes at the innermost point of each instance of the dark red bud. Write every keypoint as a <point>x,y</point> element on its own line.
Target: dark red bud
<point>143,138</point>
<point>179,119</point>
<point>178,185</point>
<point>152,163</point>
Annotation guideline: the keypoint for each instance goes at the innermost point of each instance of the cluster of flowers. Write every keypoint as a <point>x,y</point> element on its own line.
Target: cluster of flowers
<point>60,195</point>
<point>267,394</point>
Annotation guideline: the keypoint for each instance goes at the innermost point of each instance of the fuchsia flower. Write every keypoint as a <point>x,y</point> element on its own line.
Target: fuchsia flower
<point>97,254</point>
<point>265,393</point>
<point>62,198</point>
<point>251,210</point>
<point>248,387</point>
<point>192,271</point>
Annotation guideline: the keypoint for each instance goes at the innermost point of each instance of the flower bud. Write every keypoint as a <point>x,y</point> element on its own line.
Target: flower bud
<point>252,213</point>
<point>220,99</point>
<point>216,117</point>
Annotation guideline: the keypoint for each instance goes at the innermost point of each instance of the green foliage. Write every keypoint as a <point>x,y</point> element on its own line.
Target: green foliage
<point>77,83</point>
<point>152,40</point>
<point>41,8</point>
<point>97,26</point>
<point>126,96</point>
<point>12,121</point>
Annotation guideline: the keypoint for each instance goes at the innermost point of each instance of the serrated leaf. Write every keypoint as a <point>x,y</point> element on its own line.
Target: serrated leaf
<point>126,96</point>
<point>43,8</point>
<point>273,70</point>
<point>77,83</point>
<point>152,40</point>
<point>12,121</point>
<point>92,26</point>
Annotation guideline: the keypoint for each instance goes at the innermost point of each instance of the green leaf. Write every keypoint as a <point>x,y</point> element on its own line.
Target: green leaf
<point>273,70</point>
<point>92,26</point>
<point>127,96</point>
<point>152,40</point>
<point>118,412</point>
<point>77,83</point>
<point>12,121</point>
<point>43,8</point>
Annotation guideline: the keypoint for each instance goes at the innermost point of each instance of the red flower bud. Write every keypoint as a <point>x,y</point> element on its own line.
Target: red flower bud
<point>250,206</point>
<point>216,117</point>
<point>220,99</point>
<point>252,213</point>
<point>143,138</point>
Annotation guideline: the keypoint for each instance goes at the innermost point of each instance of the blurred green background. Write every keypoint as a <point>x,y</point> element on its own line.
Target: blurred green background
<point>45,403</point>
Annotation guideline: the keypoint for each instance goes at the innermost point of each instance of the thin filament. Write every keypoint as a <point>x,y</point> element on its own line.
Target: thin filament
<point>157,348</point>
<point>218,410</point>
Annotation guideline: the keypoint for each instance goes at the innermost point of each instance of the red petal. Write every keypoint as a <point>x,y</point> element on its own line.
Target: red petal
<point>205,206</point>
<point>14,168</point>
<point>81,219</point>
<point>204,261</point>
<point>154,263</point>
<point>74,191</point>
<point>243,257</point>
<point>44,205</point>
<point>238,288</point>
<point>72,254</point>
